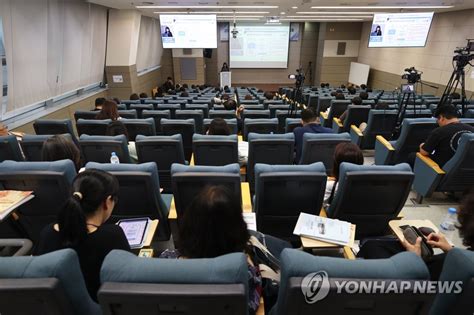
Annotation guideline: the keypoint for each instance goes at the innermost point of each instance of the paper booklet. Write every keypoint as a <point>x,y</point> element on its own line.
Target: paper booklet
<point>12,199</point>
<point>250,219</point>
<point>323,229</point>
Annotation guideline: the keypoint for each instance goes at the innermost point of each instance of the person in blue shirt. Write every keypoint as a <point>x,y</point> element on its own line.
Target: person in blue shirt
<point>310,123</point>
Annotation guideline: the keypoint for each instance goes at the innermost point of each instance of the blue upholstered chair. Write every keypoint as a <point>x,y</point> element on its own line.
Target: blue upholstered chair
<point>188,181</point>
<point>190,286</point>
<point>184,127</point>
<point>54,127</point>
<point>129,102</point>
<point>458,266</point>
<point>99,148</point>
<point>157,115</point>
<point>369,196</point>
<point>291,124</point>
<point>456,175</point>
<point>273,149</point>
<point>467,121</point>
<point>381,122</point>
<point>32,146</point>
<point>139,194</point>
<point>418,113</point>
<point>326,271</point>
<point>46,179</point>
<point>129,113</point>
<point>256,113</point>
<point>283,115</point>
<point>319,147</point>
<point>324,102</point>
<point>92,127</point>
<point>141,107</point>
<point>85,114</point>
<point>336,109</point>
<point>171,107</point>
<point>356,115</point>
<point>414,132</point>
<point>221,113</point>
<point>48,284</point>
<point>232,123</point>
<point>273,108</point>
<point>469,113</point>
<point>215,150</point>
<point>283,191</point>
<point>10,149</point>
<point>196,106</point>
<point>262,126</point>
<point>195,114</point>
<point>135,127</point>
<point>164,151</point>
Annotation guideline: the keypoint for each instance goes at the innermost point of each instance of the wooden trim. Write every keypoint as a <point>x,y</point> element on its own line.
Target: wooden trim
<point>324,115</point>
<point>428,161</point>
<point>338,122</point>
<point>348,253</point>
<point>384,141</point>
<point>357,130</point>
<point>191,163</point>
<point>323,213</point>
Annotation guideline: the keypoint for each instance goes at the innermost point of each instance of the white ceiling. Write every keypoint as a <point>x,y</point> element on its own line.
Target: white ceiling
<point>299,10</point>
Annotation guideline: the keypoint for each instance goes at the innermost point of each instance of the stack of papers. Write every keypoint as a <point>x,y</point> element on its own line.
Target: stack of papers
<point>323,229</point>
<point>250,219</point>
<point>12,199</point>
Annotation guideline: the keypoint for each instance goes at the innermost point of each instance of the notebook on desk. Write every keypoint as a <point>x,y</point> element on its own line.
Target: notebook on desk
<point>323,229</point>
<point>139,231</point>
<point>12,199</point>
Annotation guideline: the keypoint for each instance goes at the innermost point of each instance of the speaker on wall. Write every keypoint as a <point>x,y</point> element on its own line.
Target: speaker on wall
<point>341,48</point>
<point>207,53</point>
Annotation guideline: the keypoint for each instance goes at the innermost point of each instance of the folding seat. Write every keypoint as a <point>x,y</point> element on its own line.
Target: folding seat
<point>214,150</point>
<point>418,113</point>
<point>231,123</point>
<point>253,106</point>
<point>336,109</point>
<point>260,125</point>
<point>10,149</point>
<point>92,127</point>
<point>249,102</point>
<point>320,147</point>
<point>171,107</point>
<point>129,113</point>
<point>86,114</point>
<point>121,107</point>
<point>282,115</point>
<point>141,107</point>
<point>355,116</point>
<point>183,127</point>
<point>273,108</point>
<point>179,102</point>
<point>255,114</point>
<point>196,106</point>
<point>191,286</point>
<point>306,278</point>
<point>157,115</point>
<point>195,114</point>
<point>225,114</point>
<point>380,122</point>
<point>54,127</point>
<point>154,102</point>
<point>414,131</point>
<point>99,148</point>
<point>32,146</point>
<point>164,151</point>
<point>369,196</point>
<point>139,194</point>
<point>144,127</point>
<point>324,102</point>
<point>48,284</point>
<point>282,192</point>
<point>129,102</point>
<point>292,123</point>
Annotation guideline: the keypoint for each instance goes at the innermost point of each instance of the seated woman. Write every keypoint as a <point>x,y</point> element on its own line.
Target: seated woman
<point>212,226</point>
<point>109,111</point>
<point>219,126</point>
<point>344,152</point>
<point>81,225</point>
<point>116,128</point>
<point>59,147</point>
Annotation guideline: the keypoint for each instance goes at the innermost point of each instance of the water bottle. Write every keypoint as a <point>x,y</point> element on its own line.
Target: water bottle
<point>449,224</point>
<point>114,158</point>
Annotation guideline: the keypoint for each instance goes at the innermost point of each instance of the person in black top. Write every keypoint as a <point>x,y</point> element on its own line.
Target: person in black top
<point>443,142</point>
<point>99,102</point>
<point>225,67</point>
<point>81,225</point>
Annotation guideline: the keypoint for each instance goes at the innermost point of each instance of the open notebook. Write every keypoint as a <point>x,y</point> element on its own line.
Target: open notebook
<point>323,229</point>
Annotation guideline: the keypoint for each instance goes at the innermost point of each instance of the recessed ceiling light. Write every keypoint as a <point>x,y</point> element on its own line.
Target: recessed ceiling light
<point>329,16</point>
<point>240,16</point>
<point>333,12</point>
<point>210,12</point>
<point>207,7</point>
<point>382,7</point>
<point>283,13</point>
<point>322,20</point>
<point>294,7</point>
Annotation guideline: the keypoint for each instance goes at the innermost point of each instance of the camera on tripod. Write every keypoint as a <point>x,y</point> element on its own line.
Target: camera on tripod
<point>412,75</point>
<point>299,77</point>
<point>463,54</point>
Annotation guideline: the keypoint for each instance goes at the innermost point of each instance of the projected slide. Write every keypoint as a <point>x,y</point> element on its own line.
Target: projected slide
<point>260,46</point>
<point>188,31</point>
<point>400,29</point>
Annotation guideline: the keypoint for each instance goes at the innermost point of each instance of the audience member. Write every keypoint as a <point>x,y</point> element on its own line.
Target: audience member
<point>455,96</point>
<point>248,97</point>
<point>80,225</point>
<point>60,147</point>
<point>310,123</point>
<point>351,90</point>
<point>143,95</point>
<point>344,152</point>
<point>363,86</point>
<point>159,92</point>
<point>134,97</point>
<point>219,126</point>
<point>381,105</point>
<point>269,96</point>
<point>184,94</point>
<point>99,102</point>
<point>327,85</point>
<point>116,128</point>
<point>3,130</point>
<point>116,100</point>
<point>355,101</point>
<point>185,86</point>
<point>364,95</point>
<point>443,142</point>
<point>333,93</point>
<point>322,85</point>
<point>340,96</point>
<point>169,84</point>
<point>212,226</point>
<point>108,111</point>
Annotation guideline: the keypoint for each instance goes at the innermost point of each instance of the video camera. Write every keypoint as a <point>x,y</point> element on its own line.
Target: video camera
<point>299,76</point>
<point>463,54</point>
<point>412,75</point>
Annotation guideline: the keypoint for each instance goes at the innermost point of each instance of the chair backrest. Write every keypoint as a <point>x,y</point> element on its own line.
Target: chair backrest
<point>458,266</point>
<point>273,108</point>
<point>129,113</point>
<point>188,286</point>
<point>355,116</point>
<point>183,127</point>
<point>171,107</point>
<point>164,151</point>
<point>10,149</point>
<point>414,132</point>
<point>469,113</point>
<point>54,127</point>
<point>467,121</point>
<point>292,123</point>
<point>215,150</point>
<point>46,179</point>
<point>232,123</point>
<point>320,147</point>
<point>225,114</point>
<point>202,107</point>
<point>262,126</point>
<point>85,114</point>
<point>135,127</point>
<point>269,149</point>
<point>256,113</point>
<point>249,102</point>
<point>282,115</point>
<point>188,181</point>
<point>418,113</point>
<point>460,168</point>
<point>195,114</point>
<point>337,108</point>
<point>323,103</point>
<point>99,148</point>
<point>306,279</point>
<point>139,194</point>
<point>157,115</point>
<point>381,122</point>
<point>141,107</point>
<point>282,192</point>
<point>48,284</point>
<point>92,127</point>
<point>129,102</point>
<point>32,146</point>
<point>387,188</point>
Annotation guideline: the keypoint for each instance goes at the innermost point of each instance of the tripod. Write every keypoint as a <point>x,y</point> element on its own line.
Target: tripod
<point>402,108</point>
<point>457,77</point>
<point>297,95</point>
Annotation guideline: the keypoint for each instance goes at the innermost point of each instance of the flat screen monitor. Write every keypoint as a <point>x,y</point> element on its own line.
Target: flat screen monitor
<point>188,31</point>
<point>400,29</point>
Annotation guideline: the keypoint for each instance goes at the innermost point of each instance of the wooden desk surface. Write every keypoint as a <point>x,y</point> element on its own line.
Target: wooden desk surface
<point>246,202</point>
<point>151,233</point>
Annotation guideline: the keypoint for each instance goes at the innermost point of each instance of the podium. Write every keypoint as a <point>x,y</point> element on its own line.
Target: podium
<point>226,78</point>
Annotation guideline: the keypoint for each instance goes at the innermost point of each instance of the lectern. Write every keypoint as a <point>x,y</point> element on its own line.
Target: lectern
<point>226,78</point>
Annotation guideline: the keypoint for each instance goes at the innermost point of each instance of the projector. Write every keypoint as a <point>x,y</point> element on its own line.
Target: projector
<point>234,32</point>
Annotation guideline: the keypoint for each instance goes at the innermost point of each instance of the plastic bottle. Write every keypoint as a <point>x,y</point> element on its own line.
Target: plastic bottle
<point>449,223</point>
<point>114,158</point>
